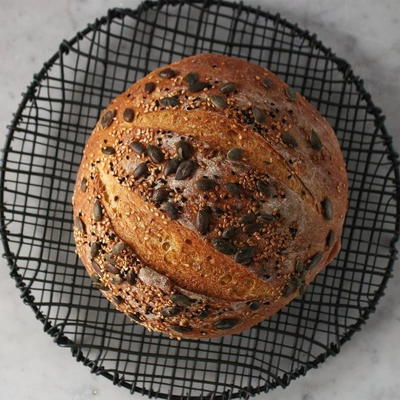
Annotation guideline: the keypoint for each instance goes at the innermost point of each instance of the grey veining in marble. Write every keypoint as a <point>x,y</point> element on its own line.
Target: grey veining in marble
<point>366,33</point>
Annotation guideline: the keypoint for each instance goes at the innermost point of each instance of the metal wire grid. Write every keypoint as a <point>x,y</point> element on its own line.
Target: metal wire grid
<point>43,152</point>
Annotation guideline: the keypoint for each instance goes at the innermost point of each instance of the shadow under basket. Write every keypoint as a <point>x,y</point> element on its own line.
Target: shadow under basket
<point>43,152</point>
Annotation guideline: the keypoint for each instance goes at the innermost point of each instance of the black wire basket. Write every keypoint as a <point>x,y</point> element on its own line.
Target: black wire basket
<point>42,155</point>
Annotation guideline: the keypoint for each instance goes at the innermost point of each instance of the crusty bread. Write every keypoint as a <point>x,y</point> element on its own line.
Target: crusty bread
<point>210,194</point>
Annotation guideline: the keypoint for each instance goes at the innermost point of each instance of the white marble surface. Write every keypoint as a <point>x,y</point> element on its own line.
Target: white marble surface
<point>367,33</point>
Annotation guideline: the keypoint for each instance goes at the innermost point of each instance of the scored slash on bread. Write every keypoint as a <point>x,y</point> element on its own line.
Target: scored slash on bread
<point>226,188</point>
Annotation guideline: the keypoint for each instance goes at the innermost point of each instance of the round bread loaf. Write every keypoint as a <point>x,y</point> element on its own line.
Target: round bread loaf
<point>210,194</point>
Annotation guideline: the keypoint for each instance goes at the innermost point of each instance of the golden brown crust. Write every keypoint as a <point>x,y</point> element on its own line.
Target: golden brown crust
<point>285,192</point>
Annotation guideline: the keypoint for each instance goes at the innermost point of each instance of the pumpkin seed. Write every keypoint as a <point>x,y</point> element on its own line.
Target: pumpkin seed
<point>172,101</point>
<point>228,88</point>
<point>205,184</point>
<point>169,311</point>
<point>79,225</point>
<point>108,258</point>
<point>182,300</point>
<point>140,170</point>
<point>218,101</point>
<point>107,119</point>
<point>138,148</point>
<point>289,140</point>
<point>128,115</point>
<point>96,267</point>
<point>245,255</point>
<point>203,220</point>
<point>303,289</point>
<point>83,185</point>
<point>185,170</point>
<point>97,211</point>
<point>235,154</point>
<point>300,267</point>
<point>171,210</point>
<point>251,228</point>
<point>183,150</point>
<point>191,78</point>
<point>181,329</point>
<point>315,259</point>
<point>258,114</point>
<point>248,219</point>
<point>160,195</point>
<point>198,86</point>
<point>171,166</point>
<point>234,188</point>
<point>118,248</point>
<point>267,83</point>
<point>131,277</point>
<point>265,188</point>
<point>289,289</point>
<point>108,150</point>
<point>291,93</point>
<point>224,246</point>
<point>155,154</point>
<point>227,323</point>
<point>149,87</point>
<point>230,232</point>
<point>327,208</point>
<point>167,73</point>
<point>254,305</point>
<point>111,269</point>
<point>94,249</point>
<point>315,141</point>
<point>265,218</point>
<point>330,238</point>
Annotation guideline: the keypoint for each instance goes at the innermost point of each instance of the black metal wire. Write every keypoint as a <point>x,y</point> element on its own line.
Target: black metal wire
<point>43,151</point>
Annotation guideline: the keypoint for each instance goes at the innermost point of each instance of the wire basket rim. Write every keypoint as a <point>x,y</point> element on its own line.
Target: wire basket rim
<point>348,74</point>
